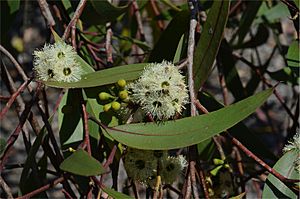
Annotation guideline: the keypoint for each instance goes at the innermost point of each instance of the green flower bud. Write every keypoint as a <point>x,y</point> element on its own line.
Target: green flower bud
<point>121,83</point>
<point>104,96</point>
<point>215,171</point>
<point>123,94</point>
<point>115,106</point>
<point>218,161</point>
<point>106,107</point>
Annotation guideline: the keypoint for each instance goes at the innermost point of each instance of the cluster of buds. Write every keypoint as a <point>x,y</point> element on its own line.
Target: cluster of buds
<point>160,90</point>
<point>114,102</point>
<point>145,166</point>
<point>57,62</point>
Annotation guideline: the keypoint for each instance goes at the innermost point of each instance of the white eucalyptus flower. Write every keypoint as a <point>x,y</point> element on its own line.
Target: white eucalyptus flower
<point>294,144</point>
<point>57,62</point>
<point>160,90</point>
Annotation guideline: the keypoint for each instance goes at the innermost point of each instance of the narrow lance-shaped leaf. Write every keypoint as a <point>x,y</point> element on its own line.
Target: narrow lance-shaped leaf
<point>165,48</point>
<point>187,131</point>
<point>209,42</point>
<point>103,77</point>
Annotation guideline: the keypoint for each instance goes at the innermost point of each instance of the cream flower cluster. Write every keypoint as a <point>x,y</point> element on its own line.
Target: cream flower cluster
<point>160,90</point>
<point>294,145</point>
<point>142,165</point>
<point>57,62</point>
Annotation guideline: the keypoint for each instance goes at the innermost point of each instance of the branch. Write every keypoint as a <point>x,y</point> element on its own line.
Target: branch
<point>6,188</point>
<point>75,18</point>
<point>43,188</point>
<point>46,12</point>
<point>13,98</point>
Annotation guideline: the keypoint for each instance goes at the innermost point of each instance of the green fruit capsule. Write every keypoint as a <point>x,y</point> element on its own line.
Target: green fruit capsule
<point>106,107</point>
<point>121,83</point>
<point>104,96</point>
<point>115,106</point>
<point>123,94</point>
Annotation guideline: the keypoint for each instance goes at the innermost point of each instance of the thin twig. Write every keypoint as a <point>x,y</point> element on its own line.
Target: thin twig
<point>15,62</point>
<point>13,98</point>
<point>86,142</point>
<point>266,82</point>
<point>6,188</point>
<point>43,188</point>
<point>157,13</point>
<point>46,12</point>
<point>75,18</point>
<point>108,45</point>
<point>286,181</point>
<point>13,137</point>
<point>138,19</point>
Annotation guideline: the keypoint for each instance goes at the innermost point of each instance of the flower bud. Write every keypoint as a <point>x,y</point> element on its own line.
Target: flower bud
<point>218,161</point>
<point>121,83</point>
<point>115,106</point>
<point>123,94</point>
<point>104,96</point>
<point>106,107</point>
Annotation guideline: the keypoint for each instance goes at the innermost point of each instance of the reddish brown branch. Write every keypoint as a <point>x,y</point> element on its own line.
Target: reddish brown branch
<point>13,137</point>
<point>156,11</point>
<point>267,83</point>
<point>43,188</point>
<point>75,18</point>
<point>6,188</point>
<point>108,45</point>
<point>13,98</point>
<point>86,141</point>
<point>46,12</point>
<point>286,181</point>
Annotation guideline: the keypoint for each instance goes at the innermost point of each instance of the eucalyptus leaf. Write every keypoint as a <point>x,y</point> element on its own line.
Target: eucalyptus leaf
<point>166,46</point>
<point>292,57</point>
<point>209,42</point>
<point>274,188</point>
<point>103,77</point>
<point>114,194</point>
<point>100,12</point>
<point>187,131</point>
<point>81,163</point>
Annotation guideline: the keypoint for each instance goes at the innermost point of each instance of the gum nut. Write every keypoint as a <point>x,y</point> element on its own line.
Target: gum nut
<point>121,83</point>
<point>123,94</point>
<point>104,96</point>
<point>106,107</point>
<point>116,105</point>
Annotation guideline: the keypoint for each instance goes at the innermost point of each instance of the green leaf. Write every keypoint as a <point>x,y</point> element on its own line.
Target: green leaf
<point>209,42</point>
<point>69,118</point>
<point>247,19</point>
<point>292,57</point>
<point>249,138</point>
<point>114,194</point>
<point>103,77</point>
<point>271,14</point>
<point>274,188</point>
<point>81,163</point>
<point>100,12</point>
<point>2,145</point>
<point>227,66</point>
<point>29,180</point>
<point>13,6</point>
<point>187,131</point>
<point>166,46</point>
<point>285,75</point>
<point>178,53</point>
